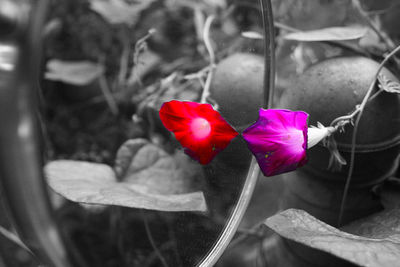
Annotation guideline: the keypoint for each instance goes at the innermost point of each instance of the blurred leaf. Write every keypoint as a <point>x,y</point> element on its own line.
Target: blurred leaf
<point>154,180</point>
<point>252,35</point>
<point>389,193</point>
<point>380,247</point>
<point>328,34</point>
<point>216,3</point>
<point>309,15</point>
<point>118,11</point>
<point>73,72</point>
<point>372,42</point>
<point>387,85</point>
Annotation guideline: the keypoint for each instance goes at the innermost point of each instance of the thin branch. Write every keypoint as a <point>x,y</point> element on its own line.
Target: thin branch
<point>150,260</point>
<point>112,104</point>
<point>14,238</point>
<point>388,42</point>
<point>152,242</point>
<point>244,234</point>
<point>210,50</point>
<point>140,46</point>
<point>377,93</point>
<point>359,110</point>
<point>124,59</point>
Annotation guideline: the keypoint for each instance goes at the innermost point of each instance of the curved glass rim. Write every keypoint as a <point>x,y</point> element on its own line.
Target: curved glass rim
<point>252,176</point>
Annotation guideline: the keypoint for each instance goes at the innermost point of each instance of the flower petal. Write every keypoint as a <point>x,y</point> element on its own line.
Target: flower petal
<point>278,140</point>
<point>198,127</point>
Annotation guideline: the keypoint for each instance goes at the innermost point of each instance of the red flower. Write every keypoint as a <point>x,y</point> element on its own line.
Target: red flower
<point>278,140</point>
<point>198,127</point>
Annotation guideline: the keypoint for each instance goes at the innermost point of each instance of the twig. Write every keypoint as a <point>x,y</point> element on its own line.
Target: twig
<point>199,74</point>
<point>210,50</point>
<point>389,43</point>
<point>140,45</point>
<point>112,104</point>
<point>359,110</point>
<point>150,260</point>
<point>253,231</point>
<point>375,95</point>
<point>152,242</point>
<point>124,60</point>
<point>14,238</point>
<point>173,238</point>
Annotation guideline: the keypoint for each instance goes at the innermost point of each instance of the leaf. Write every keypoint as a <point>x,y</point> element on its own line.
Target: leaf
<point>328,34</point>
<point>382,226</point>
<point>216,3</point>
<point>153,180</point>
<point>253,35</point>
<point>118,11</point>
<point>142,163</point>
<point>372,42</point>
<point>73,72</point>
<point>375,249</point>
<point>388,85</point>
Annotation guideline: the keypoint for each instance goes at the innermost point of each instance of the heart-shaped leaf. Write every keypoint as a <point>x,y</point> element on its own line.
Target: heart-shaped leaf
<point>379,245</point>
<point>151,179</point>
<point>118,11</point>
<point>328,34</point>
<point>73,72</point>
<point>139,162</point>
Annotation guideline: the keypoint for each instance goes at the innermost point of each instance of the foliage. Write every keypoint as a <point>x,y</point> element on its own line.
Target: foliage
<point>76,73</point>
<point>377,242</point>
<point>109,67</point>
<point>148,178</point>
<point>328,34</point>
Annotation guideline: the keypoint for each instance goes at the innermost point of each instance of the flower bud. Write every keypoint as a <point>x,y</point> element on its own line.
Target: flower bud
<point>316,134</point>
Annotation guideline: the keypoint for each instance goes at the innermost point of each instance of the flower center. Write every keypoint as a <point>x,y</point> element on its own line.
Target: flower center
<point>295,140</point>
<point>200,128</point>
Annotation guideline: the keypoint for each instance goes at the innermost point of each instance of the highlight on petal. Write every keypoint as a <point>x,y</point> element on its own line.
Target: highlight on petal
<point>278,140</point>
<point>201,130</point>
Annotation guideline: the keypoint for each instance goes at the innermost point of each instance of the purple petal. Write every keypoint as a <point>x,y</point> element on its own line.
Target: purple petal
<point>278,140</point>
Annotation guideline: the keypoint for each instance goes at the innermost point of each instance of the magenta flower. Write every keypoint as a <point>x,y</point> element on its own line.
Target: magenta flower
<point>278,140</point>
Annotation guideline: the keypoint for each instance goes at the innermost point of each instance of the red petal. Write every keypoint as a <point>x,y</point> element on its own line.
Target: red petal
<point>198,127</point>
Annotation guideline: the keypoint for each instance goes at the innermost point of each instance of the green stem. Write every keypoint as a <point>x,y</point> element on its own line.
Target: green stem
<point>359,111</point>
